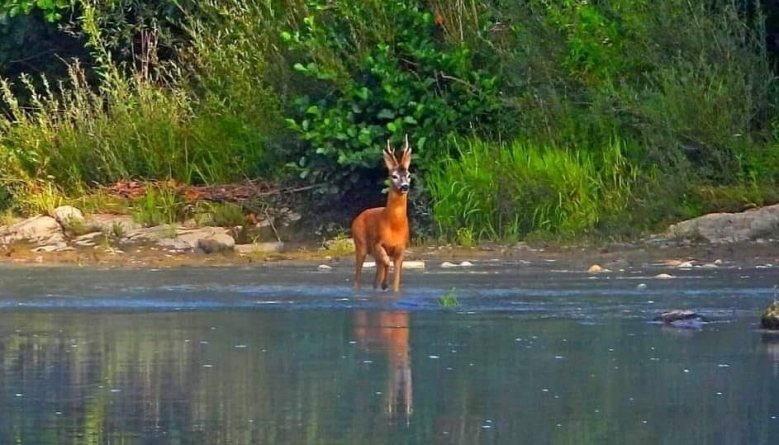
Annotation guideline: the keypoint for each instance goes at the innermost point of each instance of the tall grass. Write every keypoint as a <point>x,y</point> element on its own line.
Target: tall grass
<point>508,190</point>
<point>102,126</point>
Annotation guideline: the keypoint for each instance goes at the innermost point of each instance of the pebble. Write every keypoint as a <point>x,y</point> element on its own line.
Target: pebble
<point>595,268</point>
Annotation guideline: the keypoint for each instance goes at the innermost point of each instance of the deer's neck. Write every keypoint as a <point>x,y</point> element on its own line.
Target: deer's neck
<point>396,206</point>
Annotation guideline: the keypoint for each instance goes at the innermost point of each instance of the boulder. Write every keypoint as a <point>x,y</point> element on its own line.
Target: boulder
<point>193,236</point>
<point>769,319</point>
<point>68,215</point>
<point>260,247</point>
<point>217,243</point>
<point>37,229</point>
<point>719,228</point>
<point>150,235</point>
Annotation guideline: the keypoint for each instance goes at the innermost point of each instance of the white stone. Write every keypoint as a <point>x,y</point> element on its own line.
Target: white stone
<point>68,215</point>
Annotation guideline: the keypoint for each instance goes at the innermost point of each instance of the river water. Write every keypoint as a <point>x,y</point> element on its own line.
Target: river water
<point>528,354</point>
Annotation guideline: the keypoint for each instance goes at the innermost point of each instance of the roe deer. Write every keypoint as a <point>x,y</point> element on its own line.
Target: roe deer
<point>383,231</point>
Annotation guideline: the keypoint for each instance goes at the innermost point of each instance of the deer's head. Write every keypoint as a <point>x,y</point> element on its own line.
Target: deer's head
<point>400,177</point>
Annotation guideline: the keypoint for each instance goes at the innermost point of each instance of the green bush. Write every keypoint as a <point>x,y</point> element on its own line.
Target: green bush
<point>377,70</point>
<point>688,81</point>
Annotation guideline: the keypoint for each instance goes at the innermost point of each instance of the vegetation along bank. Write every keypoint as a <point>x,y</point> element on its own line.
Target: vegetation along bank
<point>532,119</point>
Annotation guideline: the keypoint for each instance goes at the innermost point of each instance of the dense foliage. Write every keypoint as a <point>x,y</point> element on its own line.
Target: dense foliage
<point>564,118</point>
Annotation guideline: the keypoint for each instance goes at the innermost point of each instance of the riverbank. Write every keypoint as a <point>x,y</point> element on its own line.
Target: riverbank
<point>611,258</point>
<point>69,238</point>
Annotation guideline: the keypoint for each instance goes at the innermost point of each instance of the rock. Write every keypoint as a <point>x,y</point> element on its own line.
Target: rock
<point>680,318</point>
<point>445,264</point>
<point>685,265</point>
<point>217,243</point>
<point>88,236</point>
<point>339,244</point>
<point>663,276</point>
<point>769,319</point>
<point>641,286</point>
<point>154,235</point>
<point>414,265</point>
<point>34,229</point>
<point>114,225</point>
<point>193,236</point>
<point>596,268</point>
<point>174,244</point>
<point>207,239</point>
<point>324,267</point>
<point>259,247</point>
<point>68,215</point>
<point>407,265</point>
<point>50,247</point>
<point>721,228</point>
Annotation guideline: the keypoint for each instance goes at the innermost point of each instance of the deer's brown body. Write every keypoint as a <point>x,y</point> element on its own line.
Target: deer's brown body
<point>383,231</point>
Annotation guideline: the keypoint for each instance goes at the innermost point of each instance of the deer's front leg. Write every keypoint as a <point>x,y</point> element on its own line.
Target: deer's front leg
<point>382,266</point>
<point>398,262</point>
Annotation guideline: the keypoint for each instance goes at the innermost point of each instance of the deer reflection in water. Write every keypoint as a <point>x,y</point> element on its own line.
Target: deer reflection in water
<point>389,331</point>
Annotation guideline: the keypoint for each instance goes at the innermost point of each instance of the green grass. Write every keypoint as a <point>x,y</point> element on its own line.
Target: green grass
<point>505,191</point>
<point>449,299</point>
<point>100,127</point>
<point>158,206</point>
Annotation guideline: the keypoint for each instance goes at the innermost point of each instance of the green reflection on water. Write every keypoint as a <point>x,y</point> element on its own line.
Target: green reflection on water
<point>379,377</point>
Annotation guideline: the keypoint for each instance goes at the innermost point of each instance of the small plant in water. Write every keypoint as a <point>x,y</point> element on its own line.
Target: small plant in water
<point>449,298</point>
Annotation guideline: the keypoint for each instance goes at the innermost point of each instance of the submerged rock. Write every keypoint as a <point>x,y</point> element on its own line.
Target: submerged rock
<point>682,318</point>
<point>663,276</point>
<point>769,319</point>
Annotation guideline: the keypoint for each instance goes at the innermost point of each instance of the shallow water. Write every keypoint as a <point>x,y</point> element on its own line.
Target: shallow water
<point>268,355</point>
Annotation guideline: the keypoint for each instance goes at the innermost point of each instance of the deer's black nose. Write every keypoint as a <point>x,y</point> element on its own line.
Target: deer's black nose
<point>404,187</point>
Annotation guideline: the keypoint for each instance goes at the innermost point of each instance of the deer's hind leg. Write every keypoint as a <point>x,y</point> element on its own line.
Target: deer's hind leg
<point>360,252</point>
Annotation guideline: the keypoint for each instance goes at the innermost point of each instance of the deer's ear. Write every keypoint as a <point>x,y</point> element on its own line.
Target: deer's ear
<point>405,157</point>
<point>389,157</point>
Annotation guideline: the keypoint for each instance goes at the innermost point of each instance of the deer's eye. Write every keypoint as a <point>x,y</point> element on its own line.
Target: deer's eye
<point>395,176</point>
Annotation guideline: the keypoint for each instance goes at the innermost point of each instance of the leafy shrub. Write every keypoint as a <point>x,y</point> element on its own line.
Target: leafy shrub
<point>376,71</point>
